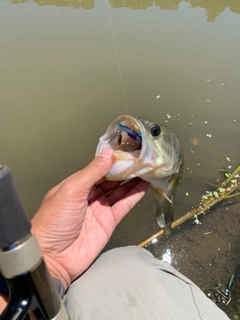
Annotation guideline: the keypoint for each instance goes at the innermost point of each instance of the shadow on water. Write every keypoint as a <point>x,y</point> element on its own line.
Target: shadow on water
<point>213,8</point>
<point>61,89</point>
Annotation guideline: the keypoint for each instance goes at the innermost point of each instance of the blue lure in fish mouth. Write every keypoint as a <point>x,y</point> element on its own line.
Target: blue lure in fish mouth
<point>131,133</point>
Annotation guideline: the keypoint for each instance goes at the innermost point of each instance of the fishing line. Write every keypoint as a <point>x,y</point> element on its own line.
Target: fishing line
<point>117,57</point>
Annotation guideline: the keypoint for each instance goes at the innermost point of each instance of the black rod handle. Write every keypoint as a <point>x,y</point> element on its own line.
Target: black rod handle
<point>14,222</point>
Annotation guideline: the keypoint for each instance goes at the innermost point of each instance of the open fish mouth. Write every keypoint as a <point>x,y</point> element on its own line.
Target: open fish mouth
<point>144,149</point>
<point>127,137</point>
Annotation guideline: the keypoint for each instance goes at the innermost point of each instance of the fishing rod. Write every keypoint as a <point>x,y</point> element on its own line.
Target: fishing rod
<point>30,287</point>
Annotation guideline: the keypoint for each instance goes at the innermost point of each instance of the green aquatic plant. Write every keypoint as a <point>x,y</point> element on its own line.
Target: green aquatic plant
<point>223,297</point>
<point>227,190</point>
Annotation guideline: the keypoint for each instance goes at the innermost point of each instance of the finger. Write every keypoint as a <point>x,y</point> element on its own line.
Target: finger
<point>85,179</point>
<point>103,189</point>
<point>107,186</point>
<point>129,200</point>
<point>122,190</point>
<point>54,189</point>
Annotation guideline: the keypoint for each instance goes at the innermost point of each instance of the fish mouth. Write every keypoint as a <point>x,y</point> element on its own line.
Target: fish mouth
<point>127,137</point>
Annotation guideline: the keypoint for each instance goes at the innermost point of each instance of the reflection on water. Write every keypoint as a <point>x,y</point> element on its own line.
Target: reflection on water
<point>213,8</point>
<point>144,4</point>
<point>74,4</point>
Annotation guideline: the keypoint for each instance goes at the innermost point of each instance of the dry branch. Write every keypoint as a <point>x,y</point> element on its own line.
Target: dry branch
<point>224,192</point>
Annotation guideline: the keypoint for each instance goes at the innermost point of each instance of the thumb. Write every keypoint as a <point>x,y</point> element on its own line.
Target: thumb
<point>85,179</point>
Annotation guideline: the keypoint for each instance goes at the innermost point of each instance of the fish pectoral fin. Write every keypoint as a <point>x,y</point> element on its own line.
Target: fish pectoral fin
<point>166,197</point>
<point>175,178</point>
<point>164,212</point>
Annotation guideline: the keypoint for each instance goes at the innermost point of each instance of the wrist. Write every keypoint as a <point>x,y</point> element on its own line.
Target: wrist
<point>57,271</point>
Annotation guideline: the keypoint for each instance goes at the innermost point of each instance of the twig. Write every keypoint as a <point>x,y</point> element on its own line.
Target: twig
<point>224,192</point>
<point>214,185</point>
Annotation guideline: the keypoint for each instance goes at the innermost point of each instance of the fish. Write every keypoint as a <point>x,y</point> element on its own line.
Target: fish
<point>148,150</point>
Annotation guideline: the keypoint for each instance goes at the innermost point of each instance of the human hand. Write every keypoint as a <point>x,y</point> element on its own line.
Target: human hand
<point>77,217</point>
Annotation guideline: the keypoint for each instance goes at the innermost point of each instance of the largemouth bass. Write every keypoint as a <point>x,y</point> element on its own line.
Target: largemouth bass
<point>152,152</point>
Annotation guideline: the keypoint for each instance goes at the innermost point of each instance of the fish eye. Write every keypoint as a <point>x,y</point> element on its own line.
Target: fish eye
<point>155,130</point>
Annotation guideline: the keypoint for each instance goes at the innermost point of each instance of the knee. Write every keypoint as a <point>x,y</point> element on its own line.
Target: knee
<point>124,256</point>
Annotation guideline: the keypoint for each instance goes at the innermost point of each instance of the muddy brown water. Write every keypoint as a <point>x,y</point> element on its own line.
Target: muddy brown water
<point>69,68</point>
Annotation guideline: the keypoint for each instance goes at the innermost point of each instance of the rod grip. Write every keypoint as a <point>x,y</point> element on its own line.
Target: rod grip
<point>14,222</point>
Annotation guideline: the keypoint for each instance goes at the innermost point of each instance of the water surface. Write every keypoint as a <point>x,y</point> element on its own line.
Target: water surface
<point>69,68</point>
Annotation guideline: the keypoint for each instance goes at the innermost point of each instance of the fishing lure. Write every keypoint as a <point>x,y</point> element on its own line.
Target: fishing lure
<point>131,133</point>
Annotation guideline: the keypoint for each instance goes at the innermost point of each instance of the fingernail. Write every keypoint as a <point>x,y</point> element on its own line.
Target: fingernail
<point>106,153</point>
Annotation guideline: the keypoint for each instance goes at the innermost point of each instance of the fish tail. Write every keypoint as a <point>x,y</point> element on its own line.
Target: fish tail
<point>164,220</point>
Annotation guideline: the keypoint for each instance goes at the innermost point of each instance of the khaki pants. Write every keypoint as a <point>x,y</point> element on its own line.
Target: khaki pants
<point>129,283</point>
